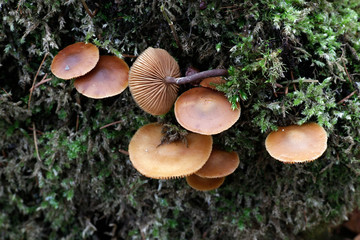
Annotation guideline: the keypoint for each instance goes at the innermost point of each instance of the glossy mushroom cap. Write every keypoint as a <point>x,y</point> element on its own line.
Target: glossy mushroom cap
<point>168,160</point>
<point>204,184</point>
<point>75,60</point>
<point>205,111</point>
<point>296,144</point>
<point>146,81</point>
<point>219,164</point>
<point>212,82</point>
<point>107,79</point>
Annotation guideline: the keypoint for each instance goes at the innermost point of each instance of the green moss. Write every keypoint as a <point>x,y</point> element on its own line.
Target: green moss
<point>289,62</point>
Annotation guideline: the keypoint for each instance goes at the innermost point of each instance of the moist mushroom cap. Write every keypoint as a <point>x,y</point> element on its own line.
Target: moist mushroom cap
<point>211,82</point>
<point>296,144</point>
<point>146,81</point>
<point>204,184</point>
<point>75,60</point>
<point>171,160</point>
<point>205,111</point>
<point>107,79</point>
<point>219,164</point>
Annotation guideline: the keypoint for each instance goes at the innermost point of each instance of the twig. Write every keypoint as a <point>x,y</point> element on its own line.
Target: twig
<point>292,79</point>
<point>6,92</point>
<point>36,85</point>
<point>42,82</point>
<point>171,24</point>
<point>110,124</point>
<point>347,97</point>
<point>38,131</point>
<point>91,14</point>
<point>275,92</point>
<point>37,73</point>
<point>123,152</point>
<point>4,155</point>
<point>325,168</point>
<point>301,80</point>
<point>35,142</point>
<point>347,73</point>
<point>77,116</point>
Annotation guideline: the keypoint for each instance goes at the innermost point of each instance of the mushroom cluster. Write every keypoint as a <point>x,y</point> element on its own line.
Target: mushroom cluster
<point>95,76</point>
<point>204,168</point>
<point>203,111</point>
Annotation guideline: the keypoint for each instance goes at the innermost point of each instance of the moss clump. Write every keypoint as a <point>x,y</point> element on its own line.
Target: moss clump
<point>290,62</point>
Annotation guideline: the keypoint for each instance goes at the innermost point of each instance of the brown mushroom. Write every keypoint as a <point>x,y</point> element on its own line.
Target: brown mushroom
<point>146,81</point>
<point>212,82</point>
<point>75,60</point>
<point>219,164</point>
<point>171,160</point>
<point>107,79</point>
<point>204,184</point>
<point>205,111</point>
<point>296,144</point>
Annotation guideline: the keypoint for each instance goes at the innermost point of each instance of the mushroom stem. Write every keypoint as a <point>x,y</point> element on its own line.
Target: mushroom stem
<point>197,76</point>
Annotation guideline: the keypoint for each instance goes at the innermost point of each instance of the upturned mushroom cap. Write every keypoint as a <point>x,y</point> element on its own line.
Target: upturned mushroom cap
<point>171,160</point>
<point>219,164</point>
<point>107,79</point>
<point>205,111</point>
<point>146,81</point>
<point>204,184</point>
<point>212,82</point>
<point>75,60</point>
<point>296,144</point>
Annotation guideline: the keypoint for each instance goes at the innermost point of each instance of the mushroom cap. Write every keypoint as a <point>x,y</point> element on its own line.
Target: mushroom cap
<point>107,79</point>
<point>171,160</point>
<point>211,82</point>
<point>146,81</point>
<point>219,164</point>
<point>204,184</point>
<point>296,144</point>
<point>205,111</point>
<point>75,60</point>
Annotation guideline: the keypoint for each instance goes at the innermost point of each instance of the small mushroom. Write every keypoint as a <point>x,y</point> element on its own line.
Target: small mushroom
<point>296,144</point>
<point>205,111</point>
<point>75,60</point>
<point>204,184</point>
<point>212,82</point>
<point>147,81</point>
<point>107,79</point>
<point>163,161</point>
<point>219,164</point>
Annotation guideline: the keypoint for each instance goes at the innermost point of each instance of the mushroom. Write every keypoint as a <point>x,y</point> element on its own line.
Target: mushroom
<point>296,144</point>
<point>219,164</point>
<point>75,60</point>
<point>204,184</point>
<point>205,111</point>
<point>146,81</point>
<point>163,161</point>
<point>212,82</point>
<point>107,79</point>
